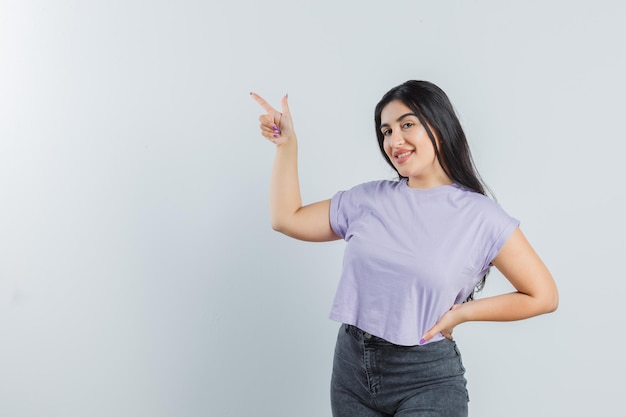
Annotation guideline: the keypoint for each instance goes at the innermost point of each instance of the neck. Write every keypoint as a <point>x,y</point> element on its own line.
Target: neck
<point>423,183</point>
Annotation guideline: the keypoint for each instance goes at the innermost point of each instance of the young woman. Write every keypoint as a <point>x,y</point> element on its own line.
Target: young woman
<point>416,250</point>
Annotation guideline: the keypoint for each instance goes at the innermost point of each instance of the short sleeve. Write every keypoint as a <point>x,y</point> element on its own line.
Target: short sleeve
<point>347,208</point>
<point>501,227</point>
<point>338,217</point>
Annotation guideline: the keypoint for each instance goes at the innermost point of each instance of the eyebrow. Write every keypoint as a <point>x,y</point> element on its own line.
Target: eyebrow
<point>399,119</point>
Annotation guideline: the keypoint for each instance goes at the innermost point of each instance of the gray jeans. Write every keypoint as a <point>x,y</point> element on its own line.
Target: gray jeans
<point>375,378</point>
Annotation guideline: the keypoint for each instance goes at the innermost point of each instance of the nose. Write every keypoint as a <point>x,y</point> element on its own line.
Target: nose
<point>396,139</point>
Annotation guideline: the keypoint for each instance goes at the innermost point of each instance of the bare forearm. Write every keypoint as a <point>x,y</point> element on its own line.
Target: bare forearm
<point>506,307</point>
<point>285,198</point>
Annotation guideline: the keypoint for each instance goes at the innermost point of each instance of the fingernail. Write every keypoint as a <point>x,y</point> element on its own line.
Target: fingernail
<point>275,128</point>
<point>422,341</point>
<point>275,136</point>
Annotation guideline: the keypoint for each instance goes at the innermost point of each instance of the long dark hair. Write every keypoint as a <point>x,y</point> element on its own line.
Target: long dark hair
<point>435,112</point>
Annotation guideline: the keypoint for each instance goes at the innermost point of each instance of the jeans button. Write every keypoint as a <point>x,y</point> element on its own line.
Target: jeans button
<point>367,335</point>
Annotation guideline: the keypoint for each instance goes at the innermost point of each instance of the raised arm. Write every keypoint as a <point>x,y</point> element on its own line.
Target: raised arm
<point>288,216</point>
<point>535,294</point>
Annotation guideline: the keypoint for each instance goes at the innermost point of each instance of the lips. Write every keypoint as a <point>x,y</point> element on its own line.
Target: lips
<point>402,155</point>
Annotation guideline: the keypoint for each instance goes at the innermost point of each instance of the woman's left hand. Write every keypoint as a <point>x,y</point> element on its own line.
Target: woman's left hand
<point>445,325</point>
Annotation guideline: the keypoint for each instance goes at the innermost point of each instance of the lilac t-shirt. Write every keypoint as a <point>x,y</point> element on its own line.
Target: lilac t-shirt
<point>411,254</point>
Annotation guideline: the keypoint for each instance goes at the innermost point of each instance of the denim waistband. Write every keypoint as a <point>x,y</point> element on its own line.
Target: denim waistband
<point>363,335</point>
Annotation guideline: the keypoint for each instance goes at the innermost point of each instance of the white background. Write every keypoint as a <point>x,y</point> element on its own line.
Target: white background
<point>139,275</point>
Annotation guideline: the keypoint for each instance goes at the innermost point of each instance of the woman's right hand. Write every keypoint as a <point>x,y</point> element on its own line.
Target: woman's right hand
<point>275,126</point>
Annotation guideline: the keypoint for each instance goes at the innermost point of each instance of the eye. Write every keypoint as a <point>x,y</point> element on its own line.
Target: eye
<point>408,125</point>
<point>386,132</point>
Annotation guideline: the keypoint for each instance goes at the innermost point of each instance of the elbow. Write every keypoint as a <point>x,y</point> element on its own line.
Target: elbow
<point>275,222</point>
<point>276,226</point>
<point>554,303</point>
<point>285,224</point>
<point>554,299</point>
<point>551,303</point>
<point>279,226</point>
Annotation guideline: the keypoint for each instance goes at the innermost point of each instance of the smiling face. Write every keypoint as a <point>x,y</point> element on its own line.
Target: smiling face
<point>409,147</point>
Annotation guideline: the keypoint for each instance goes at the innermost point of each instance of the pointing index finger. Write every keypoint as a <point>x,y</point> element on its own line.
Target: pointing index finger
<point>262,102</point>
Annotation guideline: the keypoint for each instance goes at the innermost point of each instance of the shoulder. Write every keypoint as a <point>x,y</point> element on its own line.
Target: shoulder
<point>349,205</point>
<point>364,195</point>
<point>471,197</point>
<point>476,203</point>
<point>374,187</point>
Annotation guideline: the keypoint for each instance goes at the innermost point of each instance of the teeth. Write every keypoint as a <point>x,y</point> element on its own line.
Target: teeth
<point>402,155</point>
